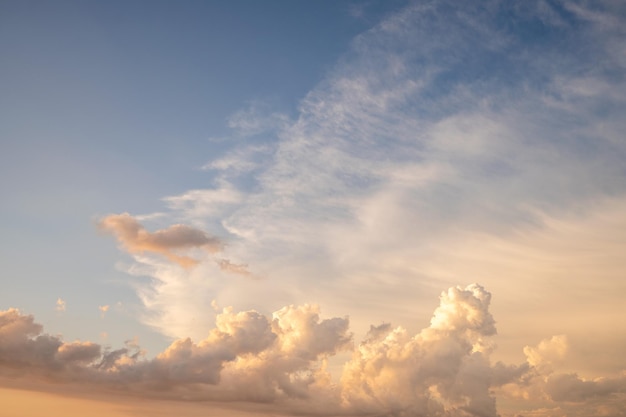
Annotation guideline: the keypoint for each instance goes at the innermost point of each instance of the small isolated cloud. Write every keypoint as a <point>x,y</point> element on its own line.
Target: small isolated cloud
<point>167,242</point>
<point>61,305</point>
<point>226,265</point>
<point>103,309</point>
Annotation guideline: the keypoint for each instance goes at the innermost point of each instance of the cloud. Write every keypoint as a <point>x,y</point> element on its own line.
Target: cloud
<point>25,350</point>
<point>227,265</point>
<point>61,305</point>
<point>200,204</point>
<point>167,242</point>
<point>282,361</point>
<point>450,141</point>
<point>103,309</point>
<point>258,118</point>
<point>547,352</point>
<point>434,124</point>
<point>442,369</point>
<point>572,388</point>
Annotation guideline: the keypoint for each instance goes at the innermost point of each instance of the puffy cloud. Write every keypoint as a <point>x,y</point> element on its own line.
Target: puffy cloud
<point>547,352</point>
<point>103,309</point>
<point>24,347</point>
<point>443,370</point>
<point>61,305</point>
<point>278,353</point>
<point>572,388</point>
<point>83,352</point>
<point>293,365</point>
<point>185,362</point>
<point>167,242</point>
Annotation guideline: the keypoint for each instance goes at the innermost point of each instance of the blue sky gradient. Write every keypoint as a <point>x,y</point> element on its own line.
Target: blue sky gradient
<point>263,191</point>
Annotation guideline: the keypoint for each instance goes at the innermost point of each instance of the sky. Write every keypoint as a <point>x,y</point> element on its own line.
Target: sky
<point>334,208</point>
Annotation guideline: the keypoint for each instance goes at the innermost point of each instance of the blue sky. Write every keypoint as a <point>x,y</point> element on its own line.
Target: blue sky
<point>108,107</point>
<point>285,183</point>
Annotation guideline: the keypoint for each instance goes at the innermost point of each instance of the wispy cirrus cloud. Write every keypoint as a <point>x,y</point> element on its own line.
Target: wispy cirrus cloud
<point>450,140</point>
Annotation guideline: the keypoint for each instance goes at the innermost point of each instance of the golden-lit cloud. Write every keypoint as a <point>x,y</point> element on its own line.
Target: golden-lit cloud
<point>547,351</point>
<point>61,305</point>
<point>281,361</point>
<point>103,309</point>
<point>167,242</point>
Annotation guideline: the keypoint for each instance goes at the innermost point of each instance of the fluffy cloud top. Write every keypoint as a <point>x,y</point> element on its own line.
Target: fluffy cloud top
<point>444,370</point>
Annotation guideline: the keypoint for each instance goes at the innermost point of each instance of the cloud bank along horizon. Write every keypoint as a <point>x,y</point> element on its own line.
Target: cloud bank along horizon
<point>443,370</point>
<point>452,143</point>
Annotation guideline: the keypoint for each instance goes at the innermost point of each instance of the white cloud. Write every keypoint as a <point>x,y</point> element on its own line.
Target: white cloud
<point>282,360</point>
<point>547,352</point>
<point>447,143</point>
<point>103,309</point>
<point>61,305</point>
<point>258,118</point>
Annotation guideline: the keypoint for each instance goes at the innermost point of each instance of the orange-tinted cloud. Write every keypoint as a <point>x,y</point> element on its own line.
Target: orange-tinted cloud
<point>280,361</point>
<point>61,305</point>
<point>167,242</point>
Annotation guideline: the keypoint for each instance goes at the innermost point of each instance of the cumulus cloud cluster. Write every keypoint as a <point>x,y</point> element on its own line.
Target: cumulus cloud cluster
<point>444,370</point>
<point>25,349</point>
